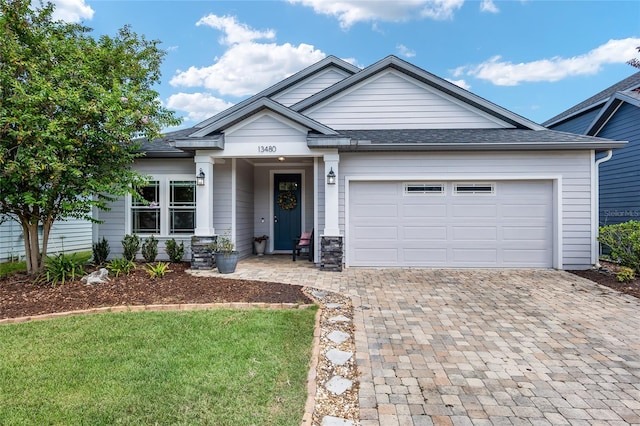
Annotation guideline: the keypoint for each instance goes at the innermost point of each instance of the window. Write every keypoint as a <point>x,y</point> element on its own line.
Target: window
<point>169,207</point>
<point>423,188</point>
<point>182,207</point>
<point>474,189</point>
<point>146,214</point>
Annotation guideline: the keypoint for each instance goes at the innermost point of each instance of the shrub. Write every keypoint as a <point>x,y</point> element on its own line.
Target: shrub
<point>626,275</point>
<point>130,244</point>
<point>63,267</point>
<point>121,265</point>
<point>158,270</point>
<point>101,251</point>
<point>174,250</point>
<point>623,241</point>
<point>150,249</point>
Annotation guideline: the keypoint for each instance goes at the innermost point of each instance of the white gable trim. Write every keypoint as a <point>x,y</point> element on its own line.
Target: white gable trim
<point>265,113</point>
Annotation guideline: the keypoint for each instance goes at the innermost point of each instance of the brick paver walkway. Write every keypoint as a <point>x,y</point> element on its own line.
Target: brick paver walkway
<point>461,347</point>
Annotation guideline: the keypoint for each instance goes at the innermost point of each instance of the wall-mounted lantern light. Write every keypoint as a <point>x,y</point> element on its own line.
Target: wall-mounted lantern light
<point>331,177</point>
<point>200,178</point>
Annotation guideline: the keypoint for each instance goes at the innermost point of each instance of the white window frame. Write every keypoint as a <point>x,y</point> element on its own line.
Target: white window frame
<point>164,197</point>
<point>478,185</point>
<point>424,193</point>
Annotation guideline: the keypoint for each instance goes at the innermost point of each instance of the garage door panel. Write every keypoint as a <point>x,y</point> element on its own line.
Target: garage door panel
<point>512,227</point>
<point>475,211</point>
<point>475,233</point>
<point>422,211</point>
<point>424,233</point>
<point>376,233</point>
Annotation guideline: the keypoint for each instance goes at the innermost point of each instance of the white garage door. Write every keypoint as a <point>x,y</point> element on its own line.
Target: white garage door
<point>451,224</point>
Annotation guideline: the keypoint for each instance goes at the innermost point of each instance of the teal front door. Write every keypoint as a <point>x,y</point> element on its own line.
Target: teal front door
<point>287,210</point>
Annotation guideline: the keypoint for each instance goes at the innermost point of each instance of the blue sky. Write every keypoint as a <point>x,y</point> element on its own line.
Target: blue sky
<point>533,57</point>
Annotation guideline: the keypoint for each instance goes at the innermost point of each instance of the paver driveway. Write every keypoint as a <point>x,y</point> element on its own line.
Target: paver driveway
<point>488,347</point>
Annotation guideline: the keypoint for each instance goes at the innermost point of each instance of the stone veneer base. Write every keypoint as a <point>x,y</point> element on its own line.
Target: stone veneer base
<point>202,252</point>
<point>331,253</point>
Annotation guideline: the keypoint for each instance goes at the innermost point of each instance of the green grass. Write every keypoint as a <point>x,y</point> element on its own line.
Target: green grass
<point>221,367</point>
<point>11,267</point>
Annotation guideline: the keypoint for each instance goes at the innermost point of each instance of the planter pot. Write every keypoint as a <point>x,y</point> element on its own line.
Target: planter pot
<point>260,246</point>
<point>227,262</point>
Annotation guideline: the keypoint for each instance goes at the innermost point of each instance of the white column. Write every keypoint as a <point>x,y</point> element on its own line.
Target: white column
<point>204,198</point>
<point>331,212</point>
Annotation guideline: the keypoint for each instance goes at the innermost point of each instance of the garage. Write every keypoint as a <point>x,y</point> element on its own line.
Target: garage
<point>504,224</point>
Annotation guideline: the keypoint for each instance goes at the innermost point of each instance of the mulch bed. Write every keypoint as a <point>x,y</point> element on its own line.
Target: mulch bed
<point>606,276</point>
<point>19,296</point>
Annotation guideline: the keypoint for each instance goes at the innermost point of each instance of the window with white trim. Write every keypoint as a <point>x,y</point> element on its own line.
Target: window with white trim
<point>168,207</point>
<point>474,188</point>
<point>424,188</point>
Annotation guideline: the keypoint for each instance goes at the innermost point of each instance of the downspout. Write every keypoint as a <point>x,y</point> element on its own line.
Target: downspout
<point>595,248</point>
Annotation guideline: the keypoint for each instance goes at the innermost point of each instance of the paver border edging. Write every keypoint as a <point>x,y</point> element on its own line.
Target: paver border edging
<point>158,307</point>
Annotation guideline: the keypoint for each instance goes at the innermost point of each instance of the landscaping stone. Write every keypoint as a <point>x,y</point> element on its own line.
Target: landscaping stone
<point>337,336</point>
<point>338,385</point>
<point>100,276</point>
<point>339,357</point>
<point>336,421</point>
<point>339,318</point>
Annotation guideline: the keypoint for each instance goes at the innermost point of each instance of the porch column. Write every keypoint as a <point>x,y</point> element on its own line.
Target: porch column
<point>331,242</point>
<point>204,198</point>
<point>331,212</point>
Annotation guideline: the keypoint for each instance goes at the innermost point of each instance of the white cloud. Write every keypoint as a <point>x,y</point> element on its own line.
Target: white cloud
<point>71,10</point>
<point>505,73</point>
<point>349,12</point>
<point>268,62</point>
<point>460,83</point>
<point>405,51</point>
<point>489,6</point>
<point>199,106</point>
<point>234,31</point>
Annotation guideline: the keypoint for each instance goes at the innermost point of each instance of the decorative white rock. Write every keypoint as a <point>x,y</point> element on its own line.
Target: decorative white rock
<point>100,276</point>
<point>339,318</point>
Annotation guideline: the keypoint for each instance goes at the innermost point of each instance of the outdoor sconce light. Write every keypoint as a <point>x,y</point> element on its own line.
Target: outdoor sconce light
<point>200,178</point>
<point>331,177</point>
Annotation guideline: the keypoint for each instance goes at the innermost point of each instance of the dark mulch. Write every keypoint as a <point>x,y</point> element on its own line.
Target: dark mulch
<point>606,276</point>
<point>19,296</point>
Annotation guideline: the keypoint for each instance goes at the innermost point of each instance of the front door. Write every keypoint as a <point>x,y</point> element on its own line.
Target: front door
<point>287,210</point>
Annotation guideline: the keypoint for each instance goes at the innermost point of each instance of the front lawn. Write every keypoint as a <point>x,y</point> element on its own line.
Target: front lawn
<point>220,367</point>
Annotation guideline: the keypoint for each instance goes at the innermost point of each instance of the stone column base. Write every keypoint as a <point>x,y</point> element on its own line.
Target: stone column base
<point>331,253</point>
<point>202,252</point>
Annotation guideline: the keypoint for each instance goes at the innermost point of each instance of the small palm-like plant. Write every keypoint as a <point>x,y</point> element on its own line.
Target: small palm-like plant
<point>158,270</point>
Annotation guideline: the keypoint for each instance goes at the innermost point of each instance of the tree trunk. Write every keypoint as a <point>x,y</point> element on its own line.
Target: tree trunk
<point>35,262</point>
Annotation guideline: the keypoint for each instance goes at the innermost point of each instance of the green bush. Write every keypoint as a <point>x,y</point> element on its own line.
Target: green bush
<point>626,275</point>
<point>174,250</point>
<point>121,265</point>
<point>101,251</point>
<point>158,270</point>
<point>63,267</point>
<point>150,249</point>
<point>130,244</point>
<point>623,242</point>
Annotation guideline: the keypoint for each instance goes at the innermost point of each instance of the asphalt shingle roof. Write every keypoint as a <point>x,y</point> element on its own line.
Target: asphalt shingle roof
<point>629,83</point>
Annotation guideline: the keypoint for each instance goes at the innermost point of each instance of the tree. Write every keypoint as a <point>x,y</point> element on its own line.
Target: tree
<point>635,62</point>
<point>71,109</point>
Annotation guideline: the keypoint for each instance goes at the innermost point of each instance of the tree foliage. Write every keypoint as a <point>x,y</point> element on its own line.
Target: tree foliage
<point>635,62</point>
<point>71,108</point>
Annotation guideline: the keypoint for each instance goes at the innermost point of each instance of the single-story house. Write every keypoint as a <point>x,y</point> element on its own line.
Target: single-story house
<point>613,113</point>
<point>390,166</point>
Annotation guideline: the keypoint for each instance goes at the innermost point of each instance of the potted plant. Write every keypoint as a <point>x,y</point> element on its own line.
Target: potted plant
<point>225,256</point>
<point>260,244</point>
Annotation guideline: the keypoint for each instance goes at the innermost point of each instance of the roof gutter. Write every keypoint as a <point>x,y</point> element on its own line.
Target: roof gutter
<point>595,208</point>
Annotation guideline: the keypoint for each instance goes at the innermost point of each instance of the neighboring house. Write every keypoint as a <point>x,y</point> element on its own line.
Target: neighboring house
<point>613,113</point>
<point>66,235</point>
<point>426,175</point>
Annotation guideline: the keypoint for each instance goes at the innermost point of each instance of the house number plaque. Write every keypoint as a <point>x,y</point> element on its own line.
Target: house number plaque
<point>267,149</point>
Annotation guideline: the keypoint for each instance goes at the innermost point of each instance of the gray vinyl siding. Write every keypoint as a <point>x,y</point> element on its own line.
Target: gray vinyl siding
<point>620,176</point>
<point>310,86</point>
<point>391,101</point>
<point>70,235</point>
<point>578,124</point>
<point>266,130</point>
<point>574,167</point>
<point>244,207</point>
<point>114,221</point>
<point>222,198</point>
